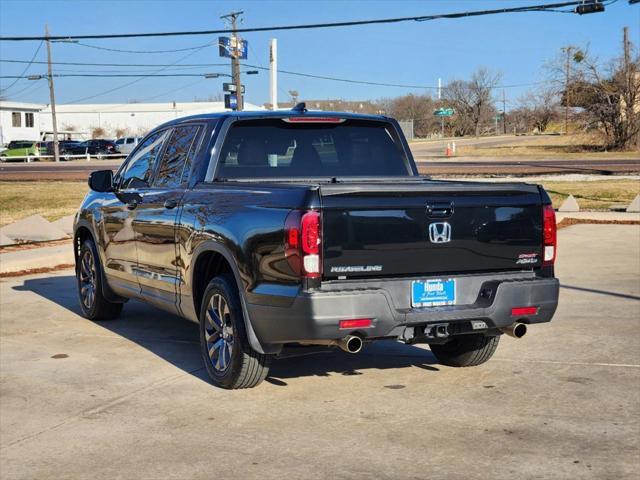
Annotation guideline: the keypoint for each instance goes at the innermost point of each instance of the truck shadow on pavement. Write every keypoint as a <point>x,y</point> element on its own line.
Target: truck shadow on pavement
<point>176,340</point>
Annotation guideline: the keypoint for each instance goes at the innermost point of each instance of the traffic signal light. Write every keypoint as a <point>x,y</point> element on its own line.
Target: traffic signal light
<point>589,6</point>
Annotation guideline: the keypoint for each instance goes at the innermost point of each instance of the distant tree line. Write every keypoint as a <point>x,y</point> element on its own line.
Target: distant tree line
<point>601,97</point>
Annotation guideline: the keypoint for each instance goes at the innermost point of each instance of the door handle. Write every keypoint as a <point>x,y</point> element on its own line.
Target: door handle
<point>132,204</point>
<point>440,209</point>
<point>169,204</point>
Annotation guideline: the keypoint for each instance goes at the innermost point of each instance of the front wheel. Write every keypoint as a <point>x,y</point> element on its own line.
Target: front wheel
<point>229,359</point>
<point>466,350</point>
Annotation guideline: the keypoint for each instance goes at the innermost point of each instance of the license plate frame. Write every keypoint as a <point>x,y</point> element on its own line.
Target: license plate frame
<point>433,292</point>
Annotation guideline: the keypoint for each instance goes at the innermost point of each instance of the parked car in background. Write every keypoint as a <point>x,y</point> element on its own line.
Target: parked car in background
<point>127,144</point>
<point>94,147</point>
<point>20,148</point>
<point>43,148</point>
<point>65,148</point>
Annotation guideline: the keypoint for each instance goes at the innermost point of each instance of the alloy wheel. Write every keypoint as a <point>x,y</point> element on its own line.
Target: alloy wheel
<point>88,280</point>
<point>218,333</point>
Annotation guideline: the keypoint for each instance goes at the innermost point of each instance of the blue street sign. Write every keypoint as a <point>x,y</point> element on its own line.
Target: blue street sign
<point>231,101</point>
<point>227,46</point>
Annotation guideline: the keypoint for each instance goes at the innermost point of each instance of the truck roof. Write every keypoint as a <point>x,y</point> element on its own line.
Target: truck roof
<point>256,114</point>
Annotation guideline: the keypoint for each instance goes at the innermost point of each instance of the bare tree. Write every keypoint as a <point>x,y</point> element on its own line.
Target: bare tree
<point>418,108</point>
<point>609,93</point>
<point>537,109</point>
<point>472,100</point>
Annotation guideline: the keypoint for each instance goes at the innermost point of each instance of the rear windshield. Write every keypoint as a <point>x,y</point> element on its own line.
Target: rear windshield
<point>277,148</point>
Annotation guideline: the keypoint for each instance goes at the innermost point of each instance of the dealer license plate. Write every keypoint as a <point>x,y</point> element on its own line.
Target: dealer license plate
<point>433,293</point>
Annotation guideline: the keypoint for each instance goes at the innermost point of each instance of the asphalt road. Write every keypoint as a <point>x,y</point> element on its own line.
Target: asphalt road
<point>433,148</point>
<point>79,170</point>
<point>129,398</point>
<point>428,156</point>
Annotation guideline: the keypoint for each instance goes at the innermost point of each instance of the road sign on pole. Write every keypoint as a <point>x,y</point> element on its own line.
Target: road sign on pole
<point>231,101</point>
<point>444,112</point>
<point>231,87</point>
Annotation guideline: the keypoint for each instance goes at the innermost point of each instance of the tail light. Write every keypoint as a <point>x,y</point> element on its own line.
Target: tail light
<point>303,239</point>
<point>549,234</point>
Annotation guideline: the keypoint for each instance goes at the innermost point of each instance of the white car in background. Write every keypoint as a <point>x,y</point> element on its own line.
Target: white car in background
<point>127,144</point>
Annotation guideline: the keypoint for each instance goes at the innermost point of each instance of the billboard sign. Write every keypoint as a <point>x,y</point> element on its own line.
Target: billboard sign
<point>228,45</point>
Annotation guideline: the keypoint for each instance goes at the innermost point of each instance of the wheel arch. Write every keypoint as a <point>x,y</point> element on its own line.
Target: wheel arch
<point>209,260</point>
<point>82,233</point>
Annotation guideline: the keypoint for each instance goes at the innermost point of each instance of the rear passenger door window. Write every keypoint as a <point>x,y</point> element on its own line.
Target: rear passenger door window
<point>139,169</point>
<point>175,164</point>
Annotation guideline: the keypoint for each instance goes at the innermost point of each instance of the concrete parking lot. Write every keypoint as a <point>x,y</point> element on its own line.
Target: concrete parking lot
<point>129,398</point>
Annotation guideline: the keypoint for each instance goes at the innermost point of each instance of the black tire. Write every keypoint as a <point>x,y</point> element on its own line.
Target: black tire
<point>229,359</point>
<point>466,350</point>
<point>89,279</point>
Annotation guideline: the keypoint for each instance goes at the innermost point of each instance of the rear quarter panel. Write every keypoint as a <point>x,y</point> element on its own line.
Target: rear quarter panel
<point>246,222</point>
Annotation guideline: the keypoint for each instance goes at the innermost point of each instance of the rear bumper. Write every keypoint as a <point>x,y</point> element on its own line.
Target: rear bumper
<point>316,315</point>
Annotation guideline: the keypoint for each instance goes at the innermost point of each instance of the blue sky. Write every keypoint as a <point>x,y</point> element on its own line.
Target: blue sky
<point>417,53</point>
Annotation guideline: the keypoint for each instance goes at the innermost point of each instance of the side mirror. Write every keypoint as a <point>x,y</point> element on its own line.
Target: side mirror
<point>101,181</point>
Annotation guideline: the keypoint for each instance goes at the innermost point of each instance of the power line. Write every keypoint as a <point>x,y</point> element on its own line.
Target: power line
<point>116,75</point>
<point>23,91</point>
<point>125,85</point>
<point>380,84</point>
<point>182,87</point>
<point>88,64</point>
<point>25,68</point>
<point>143,51</point>
<point>549,7</point>
<point>202,74</point>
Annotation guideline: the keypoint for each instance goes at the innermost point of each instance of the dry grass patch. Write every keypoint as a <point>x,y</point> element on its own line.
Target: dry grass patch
<point>547,146</point>
<point>593,195</point>
<point>52,200</point>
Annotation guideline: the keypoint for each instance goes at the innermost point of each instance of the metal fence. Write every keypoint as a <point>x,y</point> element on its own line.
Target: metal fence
<point>407,129</point>
<point>65,157</point>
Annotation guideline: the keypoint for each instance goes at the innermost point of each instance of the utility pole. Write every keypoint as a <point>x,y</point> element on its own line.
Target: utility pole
<point>52,95</point>
<point>236,47</point>
<point>504,113</point>
<point>439,99</point>
<point>567,50</point>
<point>273,73</point>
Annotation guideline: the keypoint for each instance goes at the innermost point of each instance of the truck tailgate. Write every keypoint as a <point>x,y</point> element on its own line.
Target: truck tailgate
<point>419,227</point>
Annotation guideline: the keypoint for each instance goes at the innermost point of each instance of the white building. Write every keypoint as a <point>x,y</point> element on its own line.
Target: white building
<point>19,121</point>
<point>32,121</point>
<point>111,120</point>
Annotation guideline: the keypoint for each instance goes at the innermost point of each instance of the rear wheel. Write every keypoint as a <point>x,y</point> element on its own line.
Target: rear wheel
<point>89,275</point>
<point>229,359</point>
<point>466,350</point>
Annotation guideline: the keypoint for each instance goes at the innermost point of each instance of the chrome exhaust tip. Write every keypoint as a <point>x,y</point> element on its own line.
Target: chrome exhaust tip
<point>351,344</point>
<point>515,330</point>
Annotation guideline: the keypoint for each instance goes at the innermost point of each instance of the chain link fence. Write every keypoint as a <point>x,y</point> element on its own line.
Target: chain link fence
<point>407,129</point>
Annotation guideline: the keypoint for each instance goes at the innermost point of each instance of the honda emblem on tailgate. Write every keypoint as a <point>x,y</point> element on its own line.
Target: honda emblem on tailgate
<point>440,232</point>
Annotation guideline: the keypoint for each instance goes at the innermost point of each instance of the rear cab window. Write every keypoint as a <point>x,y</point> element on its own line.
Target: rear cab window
<point>176,160</point>
<point>303,147</point>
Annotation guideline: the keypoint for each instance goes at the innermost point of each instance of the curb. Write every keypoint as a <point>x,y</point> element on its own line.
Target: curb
<point>35,259</point>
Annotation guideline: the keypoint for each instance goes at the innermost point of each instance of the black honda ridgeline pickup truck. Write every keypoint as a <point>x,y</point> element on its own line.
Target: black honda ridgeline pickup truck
<point>313,228</point>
